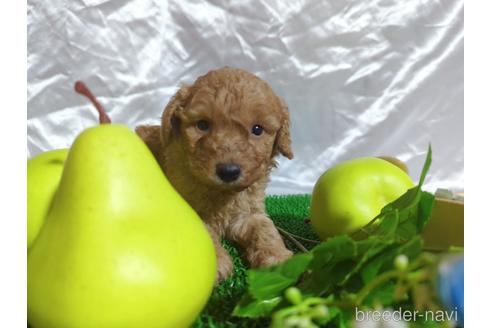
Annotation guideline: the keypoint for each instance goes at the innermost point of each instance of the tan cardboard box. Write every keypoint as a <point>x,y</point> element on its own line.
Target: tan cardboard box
<point>446,225</point>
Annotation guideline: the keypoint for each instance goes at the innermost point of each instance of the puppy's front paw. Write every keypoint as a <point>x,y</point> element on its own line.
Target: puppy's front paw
<point>224,267</point>
<point>270,257</point>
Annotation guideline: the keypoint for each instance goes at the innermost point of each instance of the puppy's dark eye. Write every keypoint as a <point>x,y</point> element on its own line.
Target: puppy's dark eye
<point>203,125</point>
<point>257,130</point>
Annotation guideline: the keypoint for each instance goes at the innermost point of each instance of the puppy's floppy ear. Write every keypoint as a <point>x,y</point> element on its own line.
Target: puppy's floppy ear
<point>282,139</point>
<point>170,121</point>
<point>151,135</point>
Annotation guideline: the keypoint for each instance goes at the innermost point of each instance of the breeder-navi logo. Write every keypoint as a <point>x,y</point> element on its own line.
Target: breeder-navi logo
<point>405,315</point>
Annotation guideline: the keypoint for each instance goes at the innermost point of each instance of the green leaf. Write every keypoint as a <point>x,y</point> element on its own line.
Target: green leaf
<point>384,260</point>
<point>373,267</point>
<point>250,308</point>
<point>267,283</point>
<point>368,249</point>
<point>413,219</point>
<point>425,210</point>
<point>333,250</point>
<point>332,261</point>
<point>399,217</point>
<point>382,295</point>
<point>425,169</point>
<point>411,249</point>
<point>406,216</point>
<point>388,224</point>
<point>407,200</point>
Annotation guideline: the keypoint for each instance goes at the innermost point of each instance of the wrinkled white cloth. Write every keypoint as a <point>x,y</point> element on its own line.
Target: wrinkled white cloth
<point>361,78</point>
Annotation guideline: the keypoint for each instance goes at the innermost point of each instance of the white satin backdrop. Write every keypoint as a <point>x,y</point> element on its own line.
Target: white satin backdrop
<point>376,77</point>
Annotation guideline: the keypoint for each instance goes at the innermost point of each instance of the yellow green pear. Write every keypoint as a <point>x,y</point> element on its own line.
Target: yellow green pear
<point>119,247</point>
<point>43,176</point>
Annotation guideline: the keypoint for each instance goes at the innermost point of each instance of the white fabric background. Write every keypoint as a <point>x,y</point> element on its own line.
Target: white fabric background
<point>374,77</point>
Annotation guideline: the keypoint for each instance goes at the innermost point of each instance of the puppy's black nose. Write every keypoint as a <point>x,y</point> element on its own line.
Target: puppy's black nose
<point>228,172</point>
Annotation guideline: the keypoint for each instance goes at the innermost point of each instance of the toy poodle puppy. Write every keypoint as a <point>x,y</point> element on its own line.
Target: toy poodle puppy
<point>216,144</point>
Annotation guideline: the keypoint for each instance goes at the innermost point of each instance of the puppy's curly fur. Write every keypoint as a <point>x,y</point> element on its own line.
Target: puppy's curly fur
<point>227,117</point>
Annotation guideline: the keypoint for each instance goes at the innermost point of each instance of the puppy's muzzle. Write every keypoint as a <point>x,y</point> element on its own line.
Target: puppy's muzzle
<point>228,172</point>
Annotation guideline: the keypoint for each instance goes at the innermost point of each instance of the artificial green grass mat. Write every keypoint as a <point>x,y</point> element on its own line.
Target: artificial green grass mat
<point>290,213</point>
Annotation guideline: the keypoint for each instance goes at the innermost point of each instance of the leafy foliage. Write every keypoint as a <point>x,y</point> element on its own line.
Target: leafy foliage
<point>325,285</point>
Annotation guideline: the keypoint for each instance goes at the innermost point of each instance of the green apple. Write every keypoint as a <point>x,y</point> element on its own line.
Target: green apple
<point>43,176</point>
<point>352,193</point>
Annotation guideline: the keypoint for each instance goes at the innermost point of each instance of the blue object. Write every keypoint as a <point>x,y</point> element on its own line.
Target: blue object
<point>451,286</point>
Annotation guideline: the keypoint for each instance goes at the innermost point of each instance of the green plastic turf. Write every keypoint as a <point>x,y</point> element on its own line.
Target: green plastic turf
<point>289,213</point>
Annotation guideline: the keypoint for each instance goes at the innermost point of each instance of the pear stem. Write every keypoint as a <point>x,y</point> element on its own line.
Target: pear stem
<point>82,89</point>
